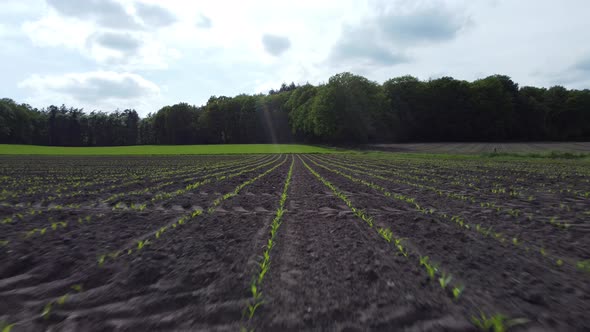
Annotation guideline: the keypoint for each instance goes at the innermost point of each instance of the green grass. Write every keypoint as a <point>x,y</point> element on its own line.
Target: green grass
<point>15,149</point>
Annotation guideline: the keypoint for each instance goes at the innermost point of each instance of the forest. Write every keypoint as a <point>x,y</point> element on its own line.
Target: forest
<point>348,109</point>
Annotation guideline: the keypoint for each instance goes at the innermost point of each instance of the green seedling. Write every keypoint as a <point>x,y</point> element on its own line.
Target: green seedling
<point>423,260</point>
<point>496,323</point>
<point>400,247</point>
<point>5,327</point>
<point>431,270</point>
<point>138,207</point>
<point>101,259</point>
<point>47,310</point>
<point>457,291</point>
<point>252,309</point>
<point>386,233</point>
<point>119,206</point>
<point>583,265</point>
<point>142,244</point>
<point>444,280</point>
<point>114,255</point>
<point>62,299</point>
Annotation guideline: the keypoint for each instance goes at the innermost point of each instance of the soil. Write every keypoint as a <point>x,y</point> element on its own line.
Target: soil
<point>329,270</point>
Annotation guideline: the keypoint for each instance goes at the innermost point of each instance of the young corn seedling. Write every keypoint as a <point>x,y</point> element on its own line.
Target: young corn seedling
<point>583,265</point>
<point>142,244</point>
<point>496,323</point>
<point>386,233</point>
<point>515,241</point>
<point>119,206</point>
<point>47,310</point>
<point>423,260</point>
<point>431,270</point>
<point>5,327</point>
<point>256,302</point>
<point>138,207</point>
<point>62,299</point>
<point>444,280</point>
<point>457,291</point>
<point>400,247</point>
<point>101,259</point>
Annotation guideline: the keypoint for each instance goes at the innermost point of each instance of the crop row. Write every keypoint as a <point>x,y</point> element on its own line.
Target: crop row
<point>156,234</point>
<point>470,199</point>
<point>207,178</point>
<point>104,186</point>
<point>433,270</point>
<point>459,221</point>
<point>451,287</point>
<point>471,173</point>
<point>33,212</point>
<point>56,226</point>
<point>264,264</point>
<point>148,239</point>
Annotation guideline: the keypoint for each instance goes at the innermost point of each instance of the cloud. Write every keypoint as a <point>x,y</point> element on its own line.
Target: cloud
<point>154,16</point>
<point>106,13</point>
<point>583,64</point>
<point>576,74</point>
<point>128,50</point>
<point>356,46</point>
<point>55,31</point>
<point>123,42</point>
<point>204,22</point>
<point>94,88</point>
<point>422,26</point>
<point>384,38</point>
<point>275,45</point>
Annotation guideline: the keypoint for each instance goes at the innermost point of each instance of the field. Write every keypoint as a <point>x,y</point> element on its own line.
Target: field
<point>16,149</point>
<point>482,148</point>
<point>277,242</point>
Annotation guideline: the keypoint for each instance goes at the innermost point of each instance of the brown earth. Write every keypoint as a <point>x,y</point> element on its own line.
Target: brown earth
<point>329,269</point>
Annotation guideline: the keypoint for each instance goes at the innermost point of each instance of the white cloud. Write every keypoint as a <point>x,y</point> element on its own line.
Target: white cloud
<point>93,89</point>
<point>204,22</point>
<point>57,31</point>
<point>90,28</point>
<point>106,13</point>
<point>387,35</point>
<point>275,45</point>
<point>154,15</point>
<point>196,49</point>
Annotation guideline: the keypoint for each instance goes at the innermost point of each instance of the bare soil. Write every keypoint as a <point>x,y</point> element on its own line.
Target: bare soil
<point>329,269</point>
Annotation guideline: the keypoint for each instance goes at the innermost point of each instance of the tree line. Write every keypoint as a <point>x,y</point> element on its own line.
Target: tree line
<point>348,109</point>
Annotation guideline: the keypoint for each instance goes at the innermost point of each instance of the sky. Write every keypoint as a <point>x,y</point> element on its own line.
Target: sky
<point>145,54</point>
